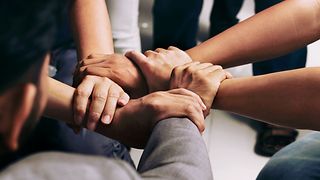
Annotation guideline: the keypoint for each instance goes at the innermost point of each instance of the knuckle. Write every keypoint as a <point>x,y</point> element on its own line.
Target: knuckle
<point>114,94</point>
<point>89,78</point>
<point>189,108</point>
<point>158,94</point>
<point>218,67</point>
<point>183,90</point>
<point>151,103</point>
<point>105,80</point>
<point>82,93</point>
<point>147,52</point>
<point>99,97</point>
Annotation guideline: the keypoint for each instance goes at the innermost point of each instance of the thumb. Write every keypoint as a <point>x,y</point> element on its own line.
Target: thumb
<point>139,59</point>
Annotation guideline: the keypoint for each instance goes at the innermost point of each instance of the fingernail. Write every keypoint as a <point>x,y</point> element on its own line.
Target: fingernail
<point>106,119</point>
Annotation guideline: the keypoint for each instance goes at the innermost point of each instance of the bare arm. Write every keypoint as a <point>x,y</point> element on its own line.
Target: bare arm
<point>91,27</point>
<point>133,123</point>
<point>288,98</point>
<point>276,31</point>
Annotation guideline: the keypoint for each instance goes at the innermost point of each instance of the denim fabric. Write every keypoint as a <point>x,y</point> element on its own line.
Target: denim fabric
<point>298,161</point>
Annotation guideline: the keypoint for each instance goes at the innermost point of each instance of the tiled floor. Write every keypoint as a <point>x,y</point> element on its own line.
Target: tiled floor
<point>230,139</point>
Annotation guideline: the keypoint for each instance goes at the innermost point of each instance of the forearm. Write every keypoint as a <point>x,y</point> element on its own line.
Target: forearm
<point>91,27</point>
<point>288,98</point>
<point>175,149</point>
<point>276,31</point>
<point>60,97</point>
<point>59,107</point>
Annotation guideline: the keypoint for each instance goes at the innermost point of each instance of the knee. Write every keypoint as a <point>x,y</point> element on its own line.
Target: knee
<point>274,169</point>
<point>289,169</point>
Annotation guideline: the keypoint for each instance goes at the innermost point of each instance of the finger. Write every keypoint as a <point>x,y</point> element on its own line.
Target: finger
<point>138,58</point>
<point>196,67</point>
<point>124,99</point>
<point>91,70</point>
<point>101,65</point>
<point>173,48</point>
<point>150,53</point>
<point>212,68</point>
<point>229,75</point>
<point>179,69</point>
<point>185,107</point>
<point>195,114</point>
<point>177,74</point>
<point>160,50</point>
<point>183,91</point>
<point>101,72</point>
<point>111,104</point>
<point>202,66</point>
<point>219,75</point>
<point>99,98</point>
<point>188,65</point>
<point>80,101</point>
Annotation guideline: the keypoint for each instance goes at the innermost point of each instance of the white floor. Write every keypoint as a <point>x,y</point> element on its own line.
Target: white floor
<point>230,139</point>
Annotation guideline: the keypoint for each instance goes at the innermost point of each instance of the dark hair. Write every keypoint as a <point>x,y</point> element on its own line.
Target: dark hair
<point>26,35</point>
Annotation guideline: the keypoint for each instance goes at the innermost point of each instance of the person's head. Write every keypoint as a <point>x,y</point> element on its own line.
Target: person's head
<point>26,37</point>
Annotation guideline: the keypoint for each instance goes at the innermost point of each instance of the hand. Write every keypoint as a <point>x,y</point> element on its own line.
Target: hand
<point>116,67</point>
<point>202,79</point>
<point>158,65</point>
<point>105,96</point>
<point>134,122</point>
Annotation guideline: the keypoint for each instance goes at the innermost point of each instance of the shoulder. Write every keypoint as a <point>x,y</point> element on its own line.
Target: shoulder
<point>67,166</point>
